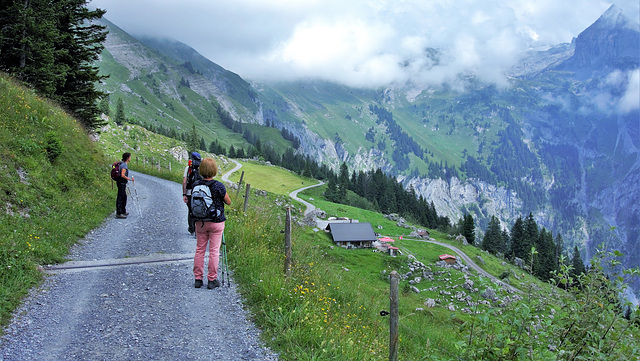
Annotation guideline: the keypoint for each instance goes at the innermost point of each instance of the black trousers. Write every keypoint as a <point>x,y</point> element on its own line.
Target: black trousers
<point>192,227</point>
<point>121,200</point>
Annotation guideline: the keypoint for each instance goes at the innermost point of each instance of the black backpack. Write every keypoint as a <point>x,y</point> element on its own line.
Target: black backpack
<point>193,174</point>
<point>203,208</point>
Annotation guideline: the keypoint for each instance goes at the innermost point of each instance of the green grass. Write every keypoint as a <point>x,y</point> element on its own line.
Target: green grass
<point>381,225</point>
<point>270,178</point>
<point>328,308</point>
<point>151,153</point>
<point>55,188</point>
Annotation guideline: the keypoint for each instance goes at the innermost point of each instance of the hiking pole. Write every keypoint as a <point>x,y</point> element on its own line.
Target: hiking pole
<point>137,198</point>
<point>221,264</point>
<point>137,202</point>
<point>225,263</point>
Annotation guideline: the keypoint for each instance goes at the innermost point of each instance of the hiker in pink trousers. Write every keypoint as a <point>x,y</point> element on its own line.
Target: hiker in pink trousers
<point>209,233</point>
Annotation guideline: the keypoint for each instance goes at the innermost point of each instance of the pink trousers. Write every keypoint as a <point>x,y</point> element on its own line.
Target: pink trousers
<point>208,234</point>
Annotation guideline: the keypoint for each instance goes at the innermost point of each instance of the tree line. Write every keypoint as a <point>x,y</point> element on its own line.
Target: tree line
<point>383,193</point>
<point>541,253</point>
<point>52,46</point>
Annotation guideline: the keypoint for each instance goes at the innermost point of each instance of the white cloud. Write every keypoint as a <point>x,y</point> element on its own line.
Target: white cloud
<point>630,101</point>
<point>361,42</point>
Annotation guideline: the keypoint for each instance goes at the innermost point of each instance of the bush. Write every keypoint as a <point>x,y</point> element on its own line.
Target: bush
<point>53,146</point>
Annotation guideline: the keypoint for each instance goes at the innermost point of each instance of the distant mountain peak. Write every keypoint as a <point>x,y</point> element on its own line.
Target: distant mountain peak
<point>612,42</point>
<point>614,18</point>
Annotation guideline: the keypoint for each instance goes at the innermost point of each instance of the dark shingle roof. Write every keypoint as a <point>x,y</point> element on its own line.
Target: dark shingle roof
<point>352,232</point>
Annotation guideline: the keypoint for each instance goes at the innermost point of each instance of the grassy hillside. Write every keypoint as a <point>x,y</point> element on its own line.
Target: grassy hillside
<point>55,188</point>
<point>271,178</point>
<point>329,307</point>
<point>146,100</point>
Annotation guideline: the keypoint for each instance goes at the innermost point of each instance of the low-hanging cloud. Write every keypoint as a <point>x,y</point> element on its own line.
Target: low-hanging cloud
<point>362,43</point>
<point>630,100</point>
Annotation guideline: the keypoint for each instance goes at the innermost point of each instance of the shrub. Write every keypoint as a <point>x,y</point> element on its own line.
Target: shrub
<point>53,146</point>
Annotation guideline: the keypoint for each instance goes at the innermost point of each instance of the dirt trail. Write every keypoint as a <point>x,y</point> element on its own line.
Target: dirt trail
<point>129,295</point>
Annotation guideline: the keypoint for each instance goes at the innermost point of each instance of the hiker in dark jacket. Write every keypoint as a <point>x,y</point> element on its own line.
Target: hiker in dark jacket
<point>209,232</point>
<point>190,175</point>
<point>121,200</point>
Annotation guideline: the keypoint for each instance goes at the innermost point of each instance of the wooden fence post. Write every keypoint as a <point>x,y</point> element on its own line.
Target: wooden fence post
<point>240,183</point>
<point>393,313</point>
<point>287,243</point>
<point>246,198</point>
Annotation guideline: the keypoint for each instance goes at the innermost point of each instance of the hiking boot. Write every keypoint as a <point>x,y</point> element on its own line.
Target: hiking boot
<point>213,284</point>
<point>198,284</point>
<point>121,216</point>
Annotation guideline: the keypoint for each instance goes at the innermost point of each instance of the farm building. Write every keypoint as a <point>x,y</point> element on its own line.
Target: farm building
<point>448,258</point>
<point>352,235</point>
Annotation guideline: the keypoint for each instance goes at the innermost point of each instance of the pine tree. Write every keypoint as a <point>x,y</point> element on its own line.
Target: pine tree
<point>104,106</point>
<point>432,215</point>
<point>518,247</point>
<point>505,246</point>
<point>53,46</point>
<point>193,141</point>
<point>240,153</point>
<point>545,260</point>
<point>469,228</point>
<point>306,170</point>
<point>387,201</point>
<point>332,190</point>
<point>530,236</point>
<point>83,42</point>
<point>530,230</point>
<point>120,117</point>
<point>492,240</point>
<point>27,43</point>
<point>343,182</point>
<point>577,264</point>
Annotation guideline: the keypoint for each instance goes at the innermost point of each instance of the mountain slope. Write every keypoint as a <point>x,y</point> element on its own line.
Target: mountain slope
<point>611,43</point>
<point>162,93</point>
<point>559,142</point>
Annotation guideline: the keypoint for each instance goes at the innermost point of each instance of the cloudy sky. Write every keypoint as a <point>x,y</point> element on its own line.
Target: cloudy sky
<point>362,42</point>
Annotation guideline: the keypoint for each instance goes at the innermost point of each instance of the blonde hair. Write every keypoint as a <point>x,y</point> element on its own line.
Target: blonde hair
<point>208,168</point>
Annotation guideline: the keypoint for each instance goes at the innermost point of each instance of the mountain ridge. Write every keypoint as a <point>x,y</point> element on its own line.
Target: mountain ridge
<point>610,42</point>
<point>540,143</point>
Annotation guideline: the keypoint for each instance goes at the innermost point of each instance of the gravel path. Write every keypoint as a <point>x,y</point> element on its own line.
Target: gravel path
<point>310,207</point>
<point>146,309</point>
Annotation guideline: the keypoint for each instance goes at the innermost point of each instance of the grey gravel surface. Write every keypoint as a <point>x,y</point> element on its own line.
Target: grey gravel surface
<point>138,311</point>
